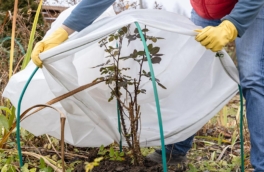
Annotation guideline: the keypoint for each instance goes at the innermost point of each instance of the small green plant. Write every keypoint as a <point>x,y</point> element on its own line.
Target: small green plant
<point>43,166</point>
<point>111,153</point>
<point>25,168</point>
<point>192,168</point>
<point>147,150</point>
<point>7,117</point>
<point>8,168</point>
<point>102,150</point>
<point>116,155</point>
<point>7,161</point>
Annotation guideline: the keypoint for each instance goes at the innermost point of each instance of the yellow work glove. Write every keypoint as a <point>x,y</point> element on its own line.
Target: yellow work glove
<point>215,38</point>
<point>53,40</point>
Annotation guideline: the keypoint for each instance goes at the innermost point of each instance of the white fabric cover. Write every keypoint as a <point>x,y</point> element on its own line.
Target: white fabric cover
<point>182,7</point>
<point>197,82</point>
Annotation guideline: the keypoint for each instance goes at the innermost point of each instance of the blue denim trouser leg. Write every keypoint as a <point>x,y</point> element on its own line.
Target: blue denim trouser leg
<point>250,56</point>
<point>180,148</point>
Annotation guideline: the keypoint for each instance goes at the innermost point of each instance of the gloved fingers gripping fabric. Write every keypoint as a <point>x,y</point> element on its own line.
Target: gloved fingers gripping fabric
<point>215,38</point>
<point>56,38</point>
<point>39,47</point>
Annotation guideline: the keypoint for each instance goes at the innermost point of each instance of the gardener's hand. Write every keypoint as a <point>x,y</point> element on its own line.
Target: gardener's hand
<point>56,38</point>
<point>215,38</point>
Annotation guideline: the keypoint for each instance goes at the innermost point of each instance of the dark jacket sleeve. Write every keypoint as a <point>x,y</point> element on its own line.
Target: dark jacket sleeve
<point>244,13</point>
<point>86,12</point>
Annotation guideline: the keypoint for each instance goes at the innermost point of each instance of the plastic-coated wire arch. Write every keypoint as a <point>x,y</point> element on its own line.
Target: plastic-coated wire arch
<point>164,164</point>
<point>119,123</point>
<point>18,117</point>
<point>241,129</point>
<point>119,127</point>
<point>17,42</point>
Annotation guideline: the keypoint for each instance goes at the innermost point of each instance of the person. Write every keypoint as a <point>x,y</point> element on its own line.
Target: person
<point>223,22</point>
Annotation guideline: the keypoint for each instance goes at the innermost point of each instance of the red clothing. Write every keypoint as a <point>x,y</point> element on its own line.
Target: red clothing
<point>213,9</point>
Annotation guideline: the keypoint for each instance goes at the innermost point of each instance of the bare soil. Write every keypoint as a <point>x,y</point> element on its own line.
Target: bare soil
<point>125,166</point>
